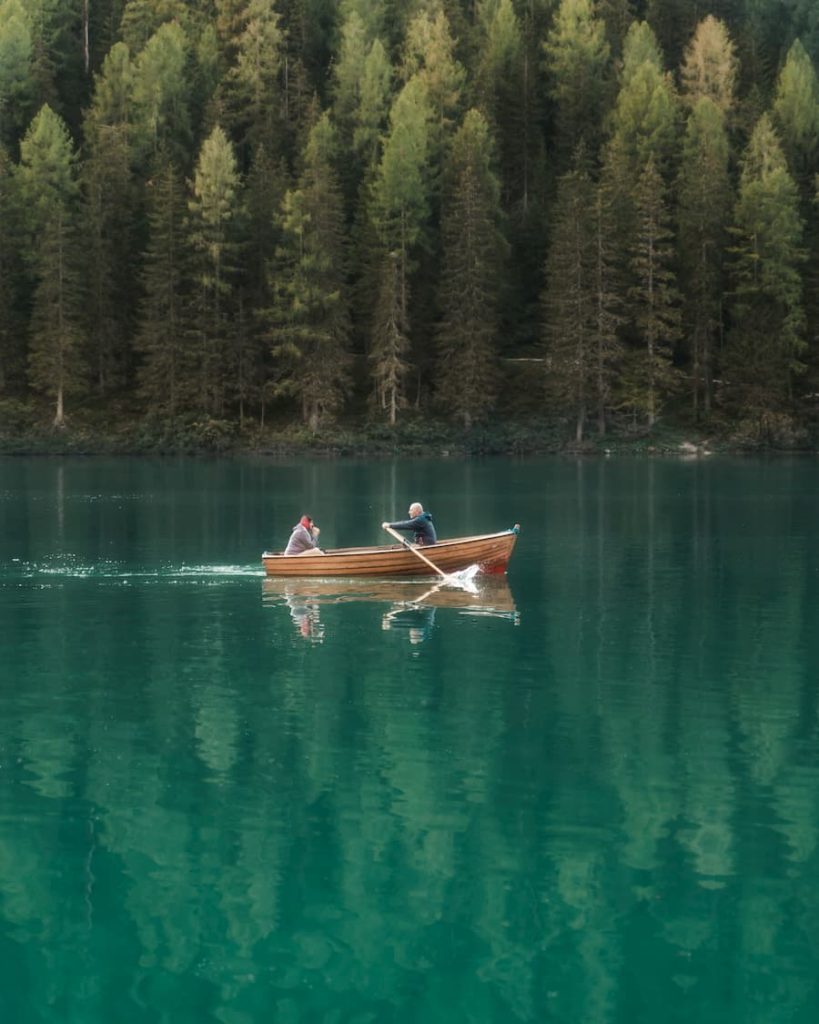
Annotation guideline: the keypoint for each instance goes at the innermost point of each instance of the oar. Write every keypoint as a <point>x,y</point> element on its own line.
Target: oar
<point>458,579</point>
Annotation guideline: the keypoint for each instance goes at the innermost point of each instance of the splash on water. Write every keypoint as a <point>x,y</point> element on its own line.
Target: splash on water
<point>68,568</point>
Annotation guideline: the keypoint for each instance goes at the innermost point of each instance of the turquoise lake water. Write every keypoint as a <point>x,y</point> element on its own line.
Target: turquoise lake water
<point>589,793</point>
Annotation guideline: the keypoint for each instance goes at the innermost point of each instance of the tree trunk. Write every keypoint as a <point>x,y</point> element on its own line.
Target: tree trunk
<point>85,45</point>
<point>59,415</point>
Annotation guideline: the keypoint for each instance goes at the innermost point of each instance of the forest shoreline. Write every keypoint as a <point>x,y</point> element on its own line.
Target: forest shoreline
<point>422,438</point>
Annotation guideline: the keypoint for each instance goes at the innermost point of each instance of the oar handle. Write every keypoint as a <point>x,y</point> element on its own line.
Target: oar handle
<point>415,551</point>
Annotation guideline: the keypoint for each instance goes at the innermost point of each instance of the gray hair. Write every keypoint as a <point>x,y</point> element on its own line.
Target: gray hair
<point>416,508</point>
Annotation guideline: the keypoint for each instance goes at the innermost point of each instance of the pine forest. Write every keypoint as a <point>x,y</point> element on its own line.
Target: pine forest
<point>223,219</point>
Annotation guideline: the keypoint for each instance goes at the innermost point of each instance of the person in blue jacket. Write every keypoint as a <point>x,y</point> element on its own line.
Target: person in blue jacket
<point>420,523</point>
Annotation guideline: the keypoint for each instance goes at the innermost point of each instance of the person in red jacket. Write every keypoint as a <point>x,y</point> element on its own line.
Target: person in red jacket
<point>304,538</point>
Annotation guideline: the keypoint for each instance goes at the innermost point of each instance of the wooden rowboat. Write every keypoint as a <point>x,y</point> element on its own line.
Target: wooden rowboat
<point>491,551</point>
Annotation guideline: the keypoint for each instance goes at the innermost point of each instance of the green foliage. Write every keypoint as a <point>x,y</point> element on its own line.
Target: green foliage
<point>311,323</point>
<point>796,113</point>
<point>401,190</point>
<point>163,339</point>
<point>710,66</point>
<point>568,301</point>
<point>162,94</point>
<point>16,83</point>
<point>252,83</point>
<point>429,58</point>
<point>577,59</point>
<point>373,105</point>
<point>704,210</point>
<point>766,343</point>
<point>472,257</point>
<point>215,211</point>
<point>390,337</point>
<point>581,304</point>
<point>141,19</point>
<point>645,113</point>
<point>49,188</point>
<point>11,349</point>
<point>229,93</point>
<point>401,196</point>
<point>653,301</point>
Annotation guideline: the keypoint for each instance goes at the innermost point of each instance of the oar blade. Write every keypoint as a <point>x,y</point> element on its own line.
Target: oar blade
<point>465,578</point>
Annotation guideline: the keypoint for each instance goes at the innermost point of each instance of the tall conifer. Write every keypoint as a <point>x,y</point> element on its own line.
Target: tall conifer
<point>108,223</point>
<point>568,300</point>
<point>470,278</point>
<point>766,342</point>
<point>654,301</point>
<point>215,209</point>
<point>49,187</point>
<point>577,59</point>
<point>16,81</point>
<point>704,211</point>
<point>399,211</point>
<point>310,319</point>
<point>163,338</point>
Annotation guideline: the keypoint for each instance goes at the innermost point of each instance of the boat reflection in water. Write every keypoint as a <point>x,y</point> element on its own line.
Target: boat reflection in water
<point>413,603</point>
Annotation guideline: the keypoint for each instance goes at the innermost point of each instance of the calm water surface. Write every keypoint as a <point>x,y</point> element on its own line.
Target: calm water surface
<point>590,795</point>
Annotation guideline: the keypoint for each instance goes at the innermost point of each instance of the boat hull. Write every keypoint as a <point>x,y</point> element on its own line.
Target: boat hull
<point>490,551</point>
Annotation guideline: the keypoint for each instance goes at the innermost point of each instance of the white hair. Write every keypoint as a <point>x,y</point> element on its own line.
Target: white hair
<point>416,508</point>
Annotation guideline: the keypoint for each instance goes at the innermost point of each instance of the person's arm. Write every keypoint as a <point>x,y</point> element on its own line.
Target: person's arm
<point>301,540</point>
<point>405,524</point>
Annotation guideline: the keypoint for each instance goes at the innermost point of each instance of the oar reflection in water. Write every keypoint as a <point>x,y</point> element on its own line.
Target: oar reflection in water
<point>417,618</point>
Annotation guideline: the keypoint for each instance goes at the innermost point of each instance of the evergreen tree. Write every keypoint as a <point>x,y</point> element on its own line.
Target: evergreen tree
<point>644,117</point>
<point>215,209</point>
<point>577,60</point>
<point>266,186</point>
<point>311,320</point>
<point>163,338</point>
<point>109,205</point>
<point>606,305</point>
<point>390,337</point>
<point>16,84</point>
<point>400,207</point>
<point>363,80</point>
<point>568,300</point>
<point>370,116</point>
<point>710,66</point>
<point>254,102</point>
<point>643,125</point>
<point>581,302</point>
<point>58,57</point>
<point>142,19</point>
<point>649,375</point>
<point>704,210</point>
<point>353,50</point>
<point>766,342</point>
<point>298,90</point>
<point>10,346</point>
<point>49,189</point>
<point>796,115</point>
<point>472,249</point>
<point>503,89</point>
<point>161,94</point>
<point>429,56</point>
